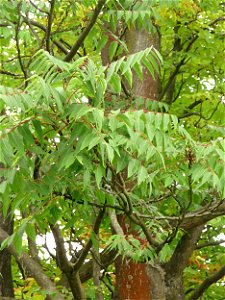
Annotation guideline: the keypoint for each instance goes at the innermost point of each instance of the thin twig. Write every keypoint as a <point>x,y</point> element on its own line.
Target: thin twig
<point>34,32</point>
<point>38,8</point>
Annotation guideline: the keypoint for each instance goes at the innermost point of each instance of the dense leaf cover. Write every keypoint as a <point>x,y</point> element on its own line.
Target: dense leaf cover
<point>77,145</point>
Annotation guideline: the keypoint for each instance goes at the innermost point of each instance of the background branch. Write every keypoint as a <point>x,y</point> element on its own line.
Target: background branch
<point>88,246</point>
<point>17,30</point>
<point>49,26</point>
<point>85,32</point>
<point>207,282</point>
<point>33,268</point>
<point>209,244</point>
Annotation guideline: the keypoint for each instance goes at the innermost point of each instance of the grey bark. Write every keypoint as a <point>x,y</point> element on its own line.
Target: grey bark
<point>34,269</point>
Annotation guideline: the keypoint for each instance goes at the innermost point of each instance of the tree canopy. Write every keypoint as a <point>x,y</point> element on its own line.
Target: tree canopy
<point>86,153</point>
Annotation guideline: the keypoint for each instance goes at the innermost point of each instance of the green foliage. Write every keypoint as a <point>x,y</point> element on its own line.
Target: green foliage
<point>72,141</point>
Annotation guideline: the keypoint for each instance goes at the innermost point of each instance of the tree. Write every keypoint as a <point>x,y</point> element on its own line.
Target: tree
<point>112,145</point>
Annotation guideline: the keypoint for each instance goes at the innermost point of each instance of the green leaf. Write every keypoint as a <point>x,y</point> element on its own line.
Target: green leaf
<point>30,231</point>
<point>27,135</point>
<point>17,243</point>
<point>142,175</point>
<point>110,152</point>
<point>3,186</point>
<point>79,110</point>
<point>129,77</point>
<point>133,167</point>
<point>101,196</point>
<point>67,159</point>
<point>102,42</point>
<point>115,83</point>
<point>139,70</point>
<point>94,141</point>
<point>99,117</point>
<point>7,242</point>
<point>38,129</point>
<point>112,49</point>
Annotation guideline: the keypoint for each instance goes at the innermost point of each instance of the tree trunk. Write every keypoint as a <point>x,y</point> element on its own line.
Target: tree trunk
<point>137,40</point>
<point>149,280</point>
<point>140,281</point>
<point>6,281</point>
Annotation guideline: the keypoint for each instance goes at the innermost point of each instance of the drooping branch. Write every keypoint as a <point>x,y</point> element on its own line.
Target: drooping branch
<point>207,283</point>
<point>34,269</point>
<point>85,32</point>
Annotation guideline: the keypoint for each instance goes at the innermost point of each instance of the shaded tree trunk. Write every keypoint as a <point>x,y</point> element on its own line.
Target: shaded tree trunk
<point>6,281</point>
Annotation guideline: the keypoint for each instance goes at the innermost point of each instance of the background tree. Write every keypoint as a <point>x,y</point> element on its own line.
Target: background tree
<point>111,149</point>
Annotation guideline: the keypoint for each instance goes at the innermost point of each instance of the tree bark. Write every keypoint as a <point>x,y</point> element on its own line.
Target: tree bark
<point>135,280</point>
<point>6,282</point>
<point>139,39</point>
<point>34,269</point>
<point>175,267</point>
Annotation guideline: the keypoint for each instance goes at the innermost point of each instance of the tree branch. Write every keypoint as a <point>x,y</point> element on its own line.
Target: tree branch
<point>49,26</point>
<point>207,282</point>
<point>209,244</point>
<point>34,32</point>
<point>106,258</point>
<point>61,257</point>
<point>114,223</point>
<point>38,8</point>
<point>10,74</point>
<point>173,75</point>
<point>88,246</point>
<point>97,269</point>
<point>34,269</point>
<point>85,32</point>
<point>201,216</point>
<point>43,28</point>
<point>196,218</point>
<point>18,45</point>
<point>64,264</point>
<point>174,268</point>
